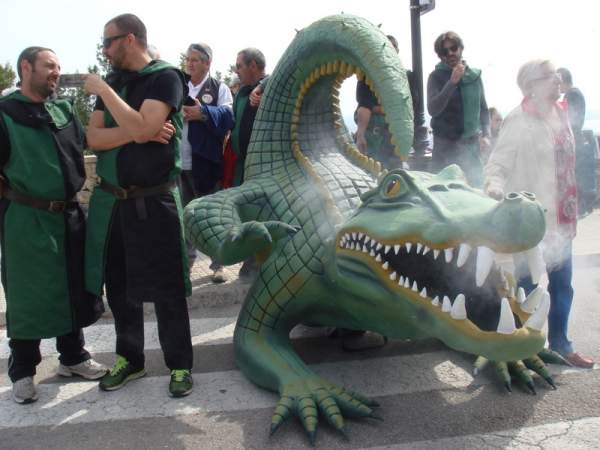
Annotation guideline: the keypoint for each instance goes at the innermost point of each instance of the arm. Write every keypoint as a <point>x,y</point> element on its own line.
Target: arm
<point>100,138</point>
<point>484,120</point>
<point>502,159</point>
<point>4,144</point>
<point>363,115</point>
<point>438,96</point>
<point>576,105</point>
<point>141,125</point>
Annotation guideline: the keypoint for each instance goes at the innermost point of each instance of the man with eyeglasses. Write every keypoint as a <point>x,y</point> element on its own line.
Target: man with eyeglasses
<point>459,114</point>
<point>42,227</point>
<point>207,118</point>
<point>135,241</point>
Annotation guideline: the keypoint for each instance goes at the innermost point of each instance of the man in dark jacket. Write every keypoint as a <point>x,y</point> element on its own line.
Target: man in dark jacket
<point>135,240</point>
<point>42,226</point>
<point>459,112</point>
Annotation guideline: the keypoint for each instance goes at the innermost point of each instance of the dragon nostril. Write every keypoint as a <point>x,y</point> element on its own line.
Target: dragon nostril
<point>528,195</point>
<point>513,197</point>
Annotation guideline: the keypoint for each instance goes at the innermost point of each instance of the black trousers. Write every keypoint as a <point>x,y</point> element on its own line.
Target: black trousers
<point>25,354</point>
<point>171,315</point>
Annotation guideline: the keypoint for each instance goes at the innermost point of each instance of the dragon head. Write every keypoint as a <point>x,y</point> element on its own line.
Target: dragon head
<point>418,258</point>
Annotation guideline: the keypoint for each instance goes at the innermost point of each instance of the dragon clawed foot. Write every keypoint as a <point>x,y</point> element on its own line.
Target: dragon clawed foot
<point>308,397</point>
<point>520,370</point>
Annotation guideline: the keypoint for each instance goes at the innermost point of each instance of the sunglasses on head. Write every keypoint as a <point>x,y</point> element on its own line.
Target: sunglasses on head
<point>107,41</point>
<point>447,50</point>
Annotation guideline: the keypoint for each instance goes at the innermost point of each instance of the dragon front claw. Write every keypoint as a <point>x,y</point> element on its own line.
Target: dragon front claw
<point>520,370</point>
<point>308,397</point>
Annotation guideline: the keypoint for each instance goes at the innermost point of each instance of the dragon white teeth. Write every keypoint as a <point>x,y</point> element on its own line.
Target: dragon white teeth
<point>435,301</point>
<point>378,258</point>
<point>426,250</point>
<point>365,250</point>
<point>419,247</point>
<point>463,254</point>
<point>423,293</point>
<point>407,283</point>
<point>385,265</point>
<point>448,254</point>
<point>367,239</point>
<point>408,247</point>
<point>521,295</point>
<point>354,236</point>
<point>537,266</point>
<point>360,235</point>
<point>459,310</point>
<point>378,246</point>
<point>393,276</point>
<point>435,253</point>
<point>533,300</point>
<point>446,305</point>
<point>512,291</point>
<point>485,261</point>
<point>538,319</point>
<point>387,249</point>
<point>401,280</point>
<point>352,246</point>
<point>415,287</point>
<point>506,324</point>
<point>396,249</point>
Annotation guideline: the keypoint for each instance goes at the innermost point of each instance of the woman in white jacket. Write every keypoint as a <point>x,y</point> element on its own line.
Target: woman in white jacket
<point>535,152</point>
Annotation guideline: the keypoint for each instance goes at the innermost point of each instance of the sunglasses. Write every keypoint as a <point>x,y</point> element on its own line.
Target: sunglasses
<point>447,50</point>
<point>107,42</point>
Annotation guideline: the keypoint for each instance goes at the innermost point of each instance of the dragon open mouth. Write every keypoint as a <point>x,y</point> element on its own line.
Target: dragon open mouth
<point>459,281</point>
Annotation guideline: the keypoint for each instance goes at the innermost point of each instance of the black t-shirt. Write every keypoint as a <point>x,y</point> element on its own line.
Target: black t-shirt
<point>150,163</point>
<point>364,96</point>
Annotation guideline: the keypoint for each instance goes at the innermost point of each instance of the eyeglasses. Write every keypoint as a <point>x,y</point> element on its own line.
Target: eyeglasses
<point>447,50</point>
<point>107,41</point>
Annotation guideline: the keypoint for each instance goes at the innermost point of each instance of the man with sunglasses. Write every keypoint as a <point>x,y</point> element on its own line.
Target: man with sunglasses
<point>135,242</point>
<point>459,114</point>
<point>42,226</point>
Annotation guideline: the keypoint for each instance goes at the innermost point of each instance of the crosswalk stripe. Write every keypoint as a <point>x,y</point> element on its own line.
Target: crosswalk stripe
<point>101,338</point>
<point>573,434</point>
<point>82,402</point>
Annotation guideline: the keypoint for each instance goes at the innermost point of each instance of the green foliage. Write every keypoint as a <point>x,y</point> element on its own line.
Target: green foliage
<point>7,76</point>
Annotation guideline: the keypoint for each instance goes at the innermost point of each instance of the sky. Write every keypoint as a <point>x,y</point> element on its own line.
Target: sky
<point>499,36</point>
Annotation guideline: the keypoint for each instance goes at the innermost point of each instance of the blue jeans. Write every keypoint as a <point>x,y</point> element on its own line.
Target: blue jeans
<point>561,298</point>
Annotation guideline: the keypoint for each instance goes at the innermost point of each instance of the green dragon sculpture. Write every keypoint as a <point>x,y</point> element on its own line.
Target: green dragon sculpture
<point>346,244</point>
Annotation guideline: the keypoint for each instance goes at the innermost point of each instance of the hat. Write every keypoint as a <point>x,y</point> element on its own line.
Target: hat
<point>202,48</point>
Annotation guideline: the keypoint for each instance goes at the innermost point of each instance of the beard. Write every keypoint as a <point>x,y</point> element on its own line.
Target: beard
<point>44,87</point>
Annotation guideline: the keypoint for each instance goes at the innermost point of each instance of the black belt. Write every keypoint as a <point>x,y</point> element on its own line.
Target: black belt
<point>53,206</point>
<point>136,191</point>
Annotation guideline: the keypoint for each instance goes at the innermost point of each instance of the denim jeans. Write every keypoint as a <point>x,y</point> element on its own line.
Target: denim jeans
<point>561,297</point>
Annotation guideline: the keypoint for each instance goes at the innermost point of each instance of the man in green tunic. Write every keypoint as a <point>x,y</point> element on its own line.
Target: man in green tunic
<point>135,240</point>
<point>42,227</point>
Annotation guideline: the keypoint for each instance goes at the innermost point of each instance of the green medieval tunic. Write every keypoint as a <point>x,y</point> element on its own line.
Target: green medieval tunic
<point>156,266</point>
<point>42,251</point>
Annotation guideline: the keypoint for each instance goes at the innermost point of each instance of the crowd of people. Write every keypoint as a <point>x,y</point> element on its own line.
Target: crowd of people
<point>56,264</point>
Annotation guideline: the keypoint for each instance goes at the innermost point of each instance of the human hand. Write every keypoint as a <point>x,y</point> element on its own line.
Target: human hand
<point>165,134</point>
<point>256,96</point>
<point>95,85</point>
<point>494,192</point>
<point>193,112</point>
<point>361,142</point>
<point>484,143</point>
<point>457,73</point>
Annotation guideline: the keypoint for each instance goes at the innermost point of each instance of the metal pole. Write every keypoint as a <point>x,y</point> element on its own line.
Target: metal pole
<point>420,131</point>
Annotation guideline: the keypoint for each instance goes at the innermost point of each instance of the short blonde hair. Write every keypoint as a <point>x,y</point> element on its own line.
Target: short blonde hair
<point>531,71</point>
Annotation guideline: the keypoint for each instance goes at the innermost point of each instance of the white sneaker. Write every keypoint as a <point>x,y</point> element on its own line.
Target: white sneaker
<point>219,276</point>
<point>23,391</point>
<point>88,369</point>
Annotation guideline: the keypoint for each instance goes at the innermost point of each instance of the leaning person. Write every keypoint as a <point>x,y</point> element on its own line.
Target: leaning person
<point>535,152</point>
<point>42,227</point>
<point>135,240</point>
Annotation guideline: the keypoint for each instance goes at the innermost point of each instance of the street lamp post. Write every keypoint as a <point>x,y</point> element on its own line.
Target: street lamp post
<point>418,7</point>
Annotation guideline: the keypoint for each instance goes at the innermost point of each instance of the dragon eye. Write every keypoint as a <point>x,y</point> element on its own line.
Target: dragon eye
<point>394,187</point>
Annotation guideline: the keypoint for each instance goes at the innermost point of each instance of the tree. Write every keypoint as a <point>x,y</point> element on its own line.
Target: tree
<point>83,104</point>
<point>7,76</point>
